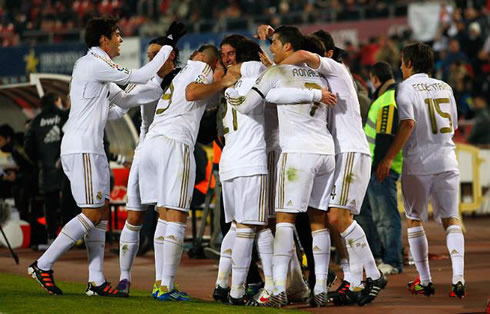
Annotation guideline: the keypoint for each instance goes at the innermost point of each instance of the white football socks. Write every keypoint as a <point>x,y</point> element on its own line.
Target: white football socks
<point>95,243</point>
<point>129,243</point>
<point>224,267</point>
<point>172,252</point>
<point>283,250</point>
<point>241,257</point>
<point>158,248</point>
<point>420,252</point>
<point>358,247</point>
<point>71,233</point>
<point>321,255</point>
<point>455,246</point>
<point>265,248</point>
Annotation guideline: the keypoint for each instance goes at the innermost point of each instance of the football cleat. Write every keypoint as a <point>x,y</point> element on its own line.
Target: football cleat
<point>261,298</point>
<point>415,287</point>
<point>244,300</point>
<point>156,289</point>
<point>104,290</point>
<point>319,300</point>
<point>458,290</point>
<point>277,300</point>
<point>344,295</point>
<point>45,279</point>
<point>221,294</point>
<point>123,286</point>
<point>174,295</point>
<point>372,289</point>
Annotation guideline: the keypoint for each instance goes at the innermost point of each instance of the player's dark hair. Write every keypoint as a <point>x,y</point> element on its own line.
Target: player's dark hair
<point>232,40</point>
<point>210,50</point>
<point>382,71</point>
<point>292,35</point>
<point>326,39</point>
<point>247,50</point>
<point>49,99</point>
<point>162,41</point>
<point>314,44</point>
<point>6,131</point>
<point>420,56</point>
<point>98,27</point>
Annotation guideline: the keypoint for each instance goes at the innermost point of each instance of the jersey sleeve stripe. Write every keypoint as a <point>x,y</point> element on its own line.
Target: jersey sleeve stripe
<point>258,92</point>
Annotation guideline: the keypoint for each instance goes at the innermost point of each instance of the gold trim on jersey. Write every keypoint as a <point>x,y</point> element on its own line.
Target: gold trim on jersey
<point>282,176</point>
<point>346,180</point>
<point>207,69</point>
<point>185,179</point>
<point>87,176</point>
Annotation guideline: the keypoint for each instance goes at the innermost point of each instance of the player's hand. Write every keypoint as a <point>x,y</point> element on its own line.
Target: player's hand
<point>383,169</point>
<point>232,75</point>
<point>219,72</point>
<point>328,98</point>
<point>265,58</point>
<point>264,32</point>
<point>175,32</point>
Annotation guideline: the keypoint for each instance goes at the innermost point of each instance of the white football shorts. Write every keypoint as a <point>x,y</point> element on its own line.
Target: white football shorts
<point>272,158</point>
<point>245,199</point>
<point>166,173</point>
<point>89,177</point>
<point>352,174</point>
<point>133,189</point>
<point>441,188</point>
<point>304,180</point>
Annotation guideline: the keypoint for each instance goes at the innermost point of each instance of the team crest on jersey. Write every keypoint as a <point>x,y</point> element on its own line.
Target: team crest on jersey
<point>201,79</point>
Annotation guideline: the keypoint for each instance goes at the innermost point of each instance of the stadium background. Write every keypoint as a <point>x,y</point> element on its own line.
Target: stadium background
<point>39,37</point>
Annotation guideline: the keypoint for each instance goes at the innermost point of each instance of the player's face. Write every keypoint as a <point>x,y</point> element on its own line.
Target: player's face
<point>114,44</point>
<point>228,55</point>
<point>277,49</point>
<point>152,51</point>
<point>405,70</point>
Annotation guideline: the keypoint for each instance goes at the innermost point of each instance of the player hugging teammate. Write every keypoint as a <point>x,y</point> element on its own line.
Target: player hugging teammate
<point>294,145</point>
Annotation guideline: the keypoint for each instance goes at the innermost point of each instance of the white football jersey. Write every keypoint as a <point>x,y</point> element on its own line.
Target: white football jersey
<point>175,116</point>
<point>430,103</point>
<point>302,127</point>
<point>244,153</point>
<point>344,120</point>
<point>91,91</point>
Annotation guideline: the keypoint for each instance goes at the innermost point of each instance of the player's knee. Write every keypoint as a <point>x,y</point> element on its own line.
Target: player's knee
<point>95,215</point>
<point>135,218</point>
<point>174,215</point>
<point>412,223</point>
<point>446,222</point>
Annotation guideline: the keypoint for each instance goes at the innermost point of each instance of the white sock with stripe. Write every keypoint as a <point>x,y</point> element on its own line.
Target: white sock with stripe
<point>158,248</point>
<point>224,267</point>
<point>283,250</point>
<point>71,233</point>
<point>419,247</point>
<point>455,246</point>
<point>95,244</point>
<point>241,257</point>
<point>172,252</point>
<point>321,255</point>
<point>358,247</point>
<point>265,248</point>
<point>129,243</point>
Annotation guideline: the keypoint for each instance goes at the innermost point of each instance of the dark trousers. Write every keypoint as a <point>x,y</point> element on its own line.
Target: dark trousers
<point>51,208</point>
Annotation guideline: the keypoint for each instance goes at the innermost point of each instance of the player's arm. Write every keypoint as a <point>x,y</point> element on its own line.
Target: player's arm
<point>292,95</point>
<point>405,129</point>
<point>303,56</point>
<point>116,112</point>
<point>136,95</point>
<point>199,90</point>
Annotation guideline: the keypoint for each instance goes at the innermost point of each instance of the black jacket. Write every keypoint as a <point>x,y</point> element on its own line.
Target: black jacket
<point>42,144</point>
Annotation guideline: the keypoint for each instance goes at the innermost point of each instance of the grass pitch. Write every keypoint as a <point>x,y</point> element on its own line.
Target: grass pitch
<point>21,294</point>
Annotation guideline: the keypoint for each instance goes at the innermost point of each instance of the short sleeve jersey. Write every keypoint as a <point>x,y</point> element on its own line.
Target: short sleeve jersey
<point>302,127</point>
<point>175,116</point>
<point>430,103</point>
<point>344,120</point>
<point>89,95</point>
<point>244,153</point>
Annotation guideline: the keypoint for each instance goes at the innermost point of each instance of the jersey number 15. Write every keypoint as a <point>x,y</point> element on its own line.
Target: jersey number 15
<point>434,107</point>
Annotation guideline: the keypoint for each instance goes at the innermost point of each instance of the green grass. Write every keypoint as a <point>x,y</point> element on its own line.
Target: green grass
<point>20,294</point>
